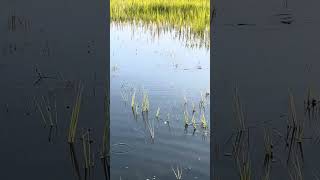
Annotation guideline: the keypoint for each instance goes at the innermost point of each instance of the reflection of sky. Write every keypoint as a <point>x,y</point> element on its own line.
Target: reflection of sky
<point>141,58</point>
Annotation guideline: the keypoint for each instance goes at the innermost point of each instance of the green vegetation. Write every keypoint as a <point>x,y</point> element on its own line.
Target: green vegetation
<point>75,115</point>
<point>179,14</point>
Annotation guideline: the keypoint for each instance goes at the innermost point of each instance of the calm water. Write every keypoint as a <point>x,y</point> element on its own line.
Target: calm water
<point>265,58</point>
<point>53,38</point>
<point>168,71</point>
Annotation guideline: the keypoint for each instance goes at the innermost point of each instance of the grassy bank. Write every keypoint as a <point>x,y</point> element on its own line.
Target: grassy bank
<point>193,14</point>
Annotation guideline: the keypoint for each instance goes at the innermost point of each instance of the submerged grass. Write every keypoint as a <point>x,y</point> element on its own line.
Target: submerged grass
<point>75,116</point>
<point>177,172</point>
<point>178,14</point>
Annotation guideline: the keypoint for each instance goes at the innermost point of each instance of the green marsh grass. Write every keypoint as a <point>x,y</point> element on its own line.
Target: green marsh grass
<point>145,102</point>
<point>133,100</point>
<point>204,121</point>
<point>158,113</point>
<point>241,141</point>
<point>75,115</point>
<point>193,120</point>
<point>87,155</point>
<point>192,16</point>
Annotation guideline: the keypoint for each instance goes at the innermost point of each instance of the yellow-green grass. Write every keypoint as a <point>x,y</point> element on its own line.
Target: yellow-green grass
<point>179,14</point>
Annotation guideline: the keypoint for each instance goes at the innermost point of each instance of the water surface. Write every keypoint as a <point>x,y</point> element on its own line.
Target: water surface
<point>163,66</point>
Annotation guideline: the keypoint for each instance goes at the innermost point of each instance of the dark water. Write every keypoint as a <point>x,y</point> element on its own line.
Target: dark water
<point>168,71</point>
<point>265,48</point>
<point>57,43</point>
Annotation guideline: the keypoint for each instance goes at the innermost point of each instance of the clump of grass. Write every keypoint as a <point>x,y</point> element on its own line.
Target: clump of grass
<point>177,172</point>
<point>75,115</point>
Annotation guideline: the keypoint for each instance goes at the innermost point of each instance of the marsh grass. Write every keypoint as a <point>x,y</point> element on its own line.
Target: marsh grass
<point>192,16</point>
<point>149,124</point>
<point>240,150</point>
<point>87,153</point>
<point>177,172</point>
<point>295,169</point>
<point>186,118</point>
<point>295,130</point>
<point>133,100</point>
<point>204,122</point>
<point>75,115</point>
<point>49,115</point>
<point>158,113</point>
<point>74,160</point>
<point>145,102</point>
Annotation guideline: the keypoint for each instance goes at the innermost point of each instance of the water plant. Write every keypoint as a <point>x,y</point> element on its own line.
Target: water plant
<point>132,100</point>
<point>193,120</point>
<point>295,169</point>
<point>158,113</point>
<point>75,115</point>
<point>149,124</point>
<point>74,160</point>
<point>244,169</point>
<point>177,172</point>
<point>49,115</point>
<point>295,129</point>
<point>240,144</point>
<point>145,102</point>
<point>87,155</point>
<point>186,118</point>
<point>204,122</point>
